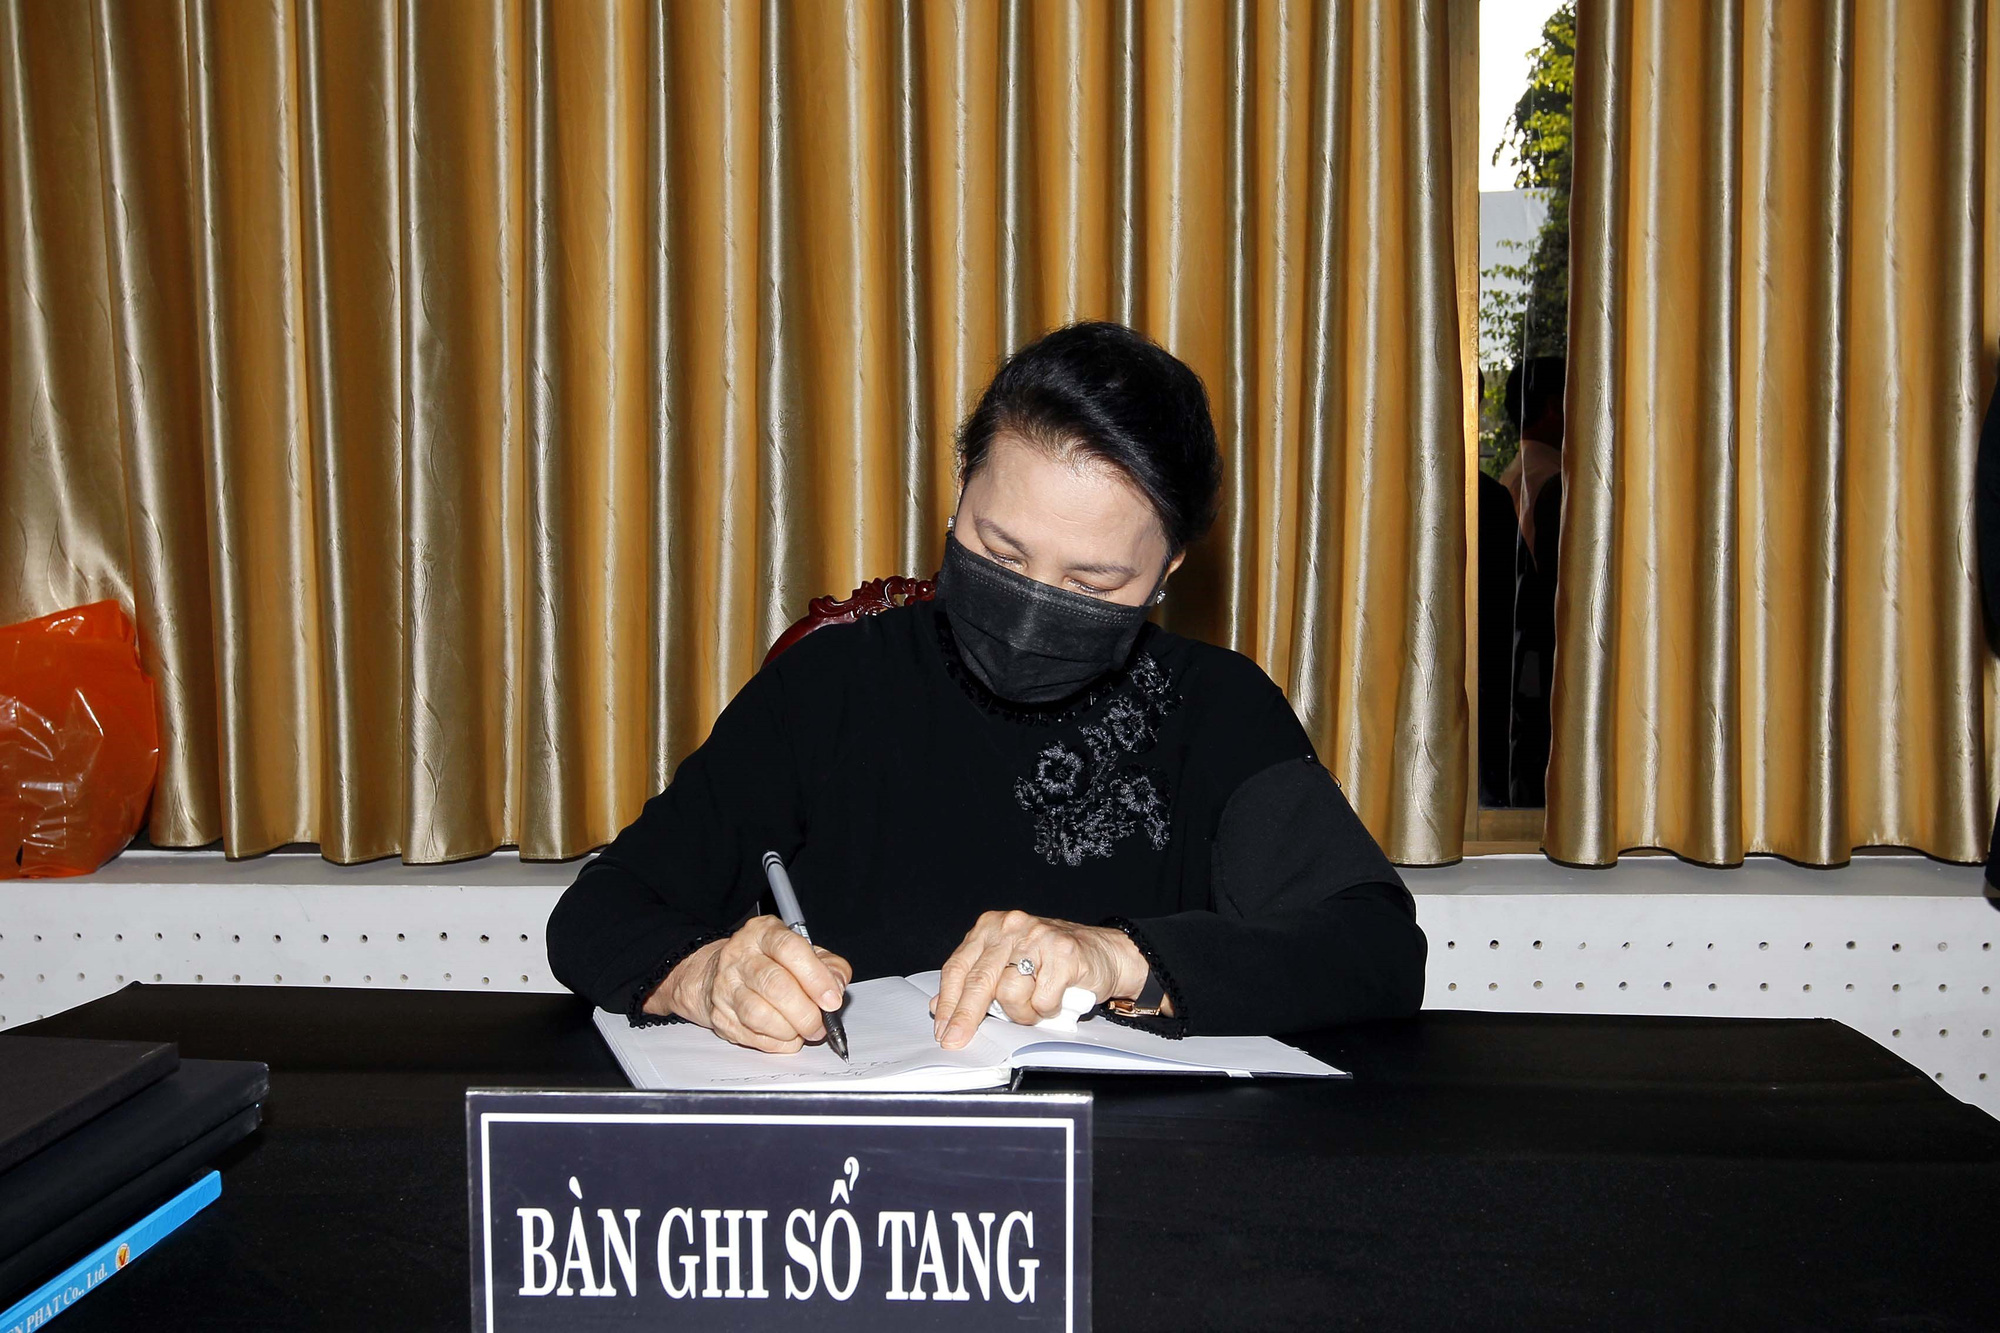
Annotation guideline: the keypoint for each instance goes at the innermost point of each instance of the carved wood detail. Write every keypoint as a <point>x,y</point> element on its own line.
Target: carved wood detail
<point>870,599</point>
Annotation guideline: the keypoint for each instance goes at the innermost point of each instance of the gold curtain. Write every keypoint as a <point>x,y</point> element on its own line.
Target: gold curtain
<point>465,394</point>
<point>1782,319</point>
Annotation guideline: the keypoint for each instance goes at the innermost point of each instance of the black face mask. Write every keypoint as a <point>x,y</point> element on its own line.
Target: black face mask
<point>1026,641</point>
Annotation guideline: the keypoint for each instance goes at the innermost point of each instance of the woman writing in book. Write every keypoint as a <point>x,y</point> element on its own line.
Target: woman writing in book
<point>1023,781</point>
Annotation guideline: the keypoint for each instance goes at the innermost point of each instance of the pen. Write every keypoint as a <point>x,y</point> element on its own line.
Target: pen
<point>795,921</point>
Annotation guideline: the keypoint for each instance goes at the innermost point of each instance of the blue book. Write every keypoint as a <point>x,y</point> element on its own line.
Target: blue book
<point>79,1279</point>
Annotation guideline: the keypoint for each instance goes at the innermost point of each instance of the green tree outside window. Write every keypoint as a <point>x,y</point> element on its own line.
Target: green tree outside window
<point>1535,321</point>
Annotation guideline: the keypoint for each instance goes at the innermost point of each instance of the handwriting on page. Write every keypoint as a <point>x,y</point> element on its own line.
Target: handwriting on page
<point>858,1069</point>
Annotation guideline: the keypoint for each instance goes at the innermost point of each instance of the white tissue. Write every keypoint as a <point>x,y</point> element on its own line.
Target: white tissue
<point>1076,1002</point>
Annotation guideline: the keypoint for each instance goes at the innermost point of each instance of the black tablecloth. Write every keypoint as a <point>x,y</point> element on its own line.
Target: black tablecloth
<point>1481,1170</point>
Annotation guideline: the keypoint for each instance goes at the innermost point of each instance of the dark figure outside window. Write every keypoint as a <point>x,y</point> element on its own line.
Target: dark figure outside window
<point>1499,533</point>
<point>1535,399</point>
<point>1986,533</point>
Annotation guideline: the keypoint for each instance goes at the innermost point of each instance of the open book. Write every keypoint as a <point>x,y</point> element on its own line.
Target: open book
<point>889,1035</point>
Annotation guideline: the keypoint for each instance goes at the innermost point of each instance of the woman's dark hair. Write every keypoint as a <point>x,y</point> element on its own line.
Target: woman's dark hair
<point>1103,391</point>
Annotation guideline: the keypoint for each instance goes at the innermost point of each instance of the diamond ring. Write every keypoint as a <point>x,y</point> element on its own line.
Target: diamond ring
<point>1025,966</point>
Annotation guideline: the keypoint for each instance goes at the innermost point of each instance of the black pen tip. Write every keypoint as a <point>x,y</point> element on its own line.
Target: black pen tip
<point>836,1036</point>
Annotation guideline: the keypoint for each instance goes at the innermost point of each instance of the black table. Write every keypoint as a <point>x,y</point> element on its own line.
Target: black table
<point>1482,1170</point>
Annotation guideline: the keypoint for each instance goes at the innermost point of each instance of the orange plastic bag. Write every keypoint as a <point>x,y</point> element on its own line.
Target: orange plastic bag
<point>79,741</point>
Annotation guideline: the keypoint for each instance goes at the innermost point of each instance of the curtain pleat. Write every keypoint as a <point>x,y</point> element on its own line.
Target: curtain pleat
<point>463,404</point>
<point>140,60</point>
<point>251,334</point>
<point>352,275</point>
<point>464,394</point>
<point>1768,635</point>
<point>66,537</point>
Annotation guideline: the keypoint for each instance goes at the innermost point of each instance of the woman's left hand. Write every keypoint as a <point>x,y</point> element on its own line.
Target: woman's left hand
<point>983,968</point>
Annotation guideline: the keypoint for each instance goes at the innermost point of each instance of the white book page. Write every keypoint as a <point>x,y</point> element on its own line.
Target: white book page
<point>1101,1045</point>
<point>888,1033</point>
<point>889,1036</point>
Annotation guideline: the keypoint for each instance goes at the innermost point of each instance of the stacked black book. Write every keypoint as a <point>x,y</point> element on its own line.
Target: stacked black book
<point>96,1136</point>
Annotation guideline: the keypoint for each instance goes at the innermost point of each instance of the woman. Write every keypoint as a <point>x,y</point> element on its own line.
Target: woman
<point>1023,780</point>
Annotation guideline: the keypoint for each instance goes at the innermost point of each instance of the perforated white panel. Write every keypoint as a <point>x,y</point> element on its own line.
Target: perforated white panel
<point>280,920</point>
<point>1900,948</point>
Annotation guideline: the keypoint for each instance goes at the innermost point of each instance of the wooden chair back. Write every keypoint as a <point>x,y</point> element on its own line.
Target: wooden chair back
<point>870,599</point>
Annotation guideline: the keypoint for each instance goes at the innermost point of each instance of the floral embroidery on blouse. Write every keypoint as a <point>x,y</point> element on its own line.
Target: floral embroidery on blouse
<point>1085,799</point>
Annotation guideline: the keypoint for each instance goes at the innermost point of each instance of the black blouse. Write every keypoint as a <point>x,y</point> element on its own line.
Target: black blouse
<point>1180,799</point>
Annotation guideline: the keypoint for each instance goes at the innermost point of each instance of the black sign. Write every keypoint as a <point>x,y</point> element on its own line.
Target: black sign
<point>779,1210</point>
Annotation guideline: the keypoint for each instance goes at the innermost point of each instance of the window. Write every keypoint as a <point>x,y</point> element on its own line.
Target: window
<point>1526,55</point>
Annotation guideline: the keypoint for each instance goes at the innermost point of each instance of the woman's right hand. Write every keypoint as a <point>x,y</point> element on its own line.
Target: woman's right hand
<point>764,987</point>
